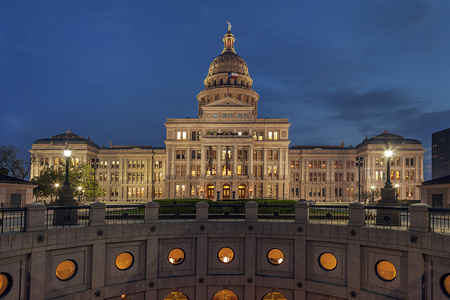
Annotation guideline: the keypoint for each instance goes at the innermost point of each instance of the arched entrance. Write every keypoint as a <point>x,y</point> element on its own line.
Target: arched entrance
<point>242,191</point>
<point>226,191</point>
<point>274,296</point>
<point>225,295</point>
<point>210,191</point>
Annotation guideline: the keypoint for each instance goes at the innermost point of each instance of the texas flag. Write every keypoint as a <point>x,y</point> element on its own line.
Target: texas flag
<point>232,75</point>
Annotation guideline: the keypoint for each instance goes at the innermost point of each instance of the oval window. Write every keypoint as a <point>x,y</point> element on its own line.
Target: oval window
<point>327,261</point>
<point>124,261</point>
<point>445,284</point>
<point>226,255</point>
<point>176,256</point>
<point>385,270</point>
<point>66,270</point>
<point>274,296</point>
<point>5,284</point>
<point>275,256</point>
<point>225,295</point>
<point>176,296</point>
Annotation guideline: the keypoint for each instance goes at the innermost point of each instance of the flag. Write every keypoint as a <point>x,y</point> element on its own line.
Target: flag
<point>232,75</point>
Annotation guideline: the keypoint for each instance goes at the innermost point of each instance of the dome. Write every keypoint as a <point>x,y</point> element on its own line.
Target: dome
<point>228,62</point>
<point>388,138</point>
<point>68,137</point>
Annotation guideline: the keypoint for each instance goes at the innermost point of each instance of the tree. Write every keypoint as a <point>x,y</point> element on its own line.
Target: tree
<point>12,165</point>
<point>367,196</point>
<point>81,175</point>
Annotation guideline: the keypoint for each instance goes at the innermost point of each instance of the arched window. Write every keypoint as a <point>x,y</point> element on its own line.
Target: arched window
<point>274,296</point>
<point>225,295</point>
<point>177,296</point>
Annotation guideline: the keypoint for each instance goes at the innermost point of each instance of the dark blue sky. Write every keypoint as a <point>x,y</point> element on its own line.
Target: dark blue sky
<point>117,69</point>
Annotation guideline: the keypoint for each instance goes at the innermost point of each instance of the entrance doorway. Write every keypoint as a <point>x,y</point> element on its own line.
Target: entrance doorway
<point>226,191</point>
<point>210,191</point>
<point>242,191</point>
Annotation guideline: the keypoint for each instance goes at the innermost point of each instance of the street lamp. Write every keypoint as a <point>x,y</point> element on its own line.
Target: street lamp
<point>94,164</point>
<point>359,164</point>
<point>373,193</point>
<point>388,154</point>
<point>396,191</point>
<point>79,194</point>
<point>56,186</point>
<point>67,154</point>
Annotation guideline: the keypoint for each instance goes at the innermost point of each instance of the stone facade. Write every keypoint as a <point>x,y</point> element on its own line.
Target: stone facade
<point>227,152</point>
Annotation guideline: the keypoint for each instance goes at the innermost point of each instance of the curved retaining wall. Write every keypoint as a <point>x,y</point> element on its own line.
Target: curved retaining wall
<point>31,259</point>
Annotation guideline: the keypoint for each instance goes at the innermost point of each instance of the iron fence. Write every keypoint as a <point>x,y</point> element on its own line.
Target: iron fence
<point>67,216</point>
<point>387,217</point>
<point>226,212</point>
<point>328,214</point>
<point>12,220</point>
<point>125,214</point>
<point>175,212</point>
<point>274,212</point>
<point>439,219</point>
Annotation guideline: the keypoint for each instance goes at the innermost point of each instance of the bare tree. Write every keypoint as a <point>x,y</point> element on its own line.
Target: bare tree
<point>12,165</point>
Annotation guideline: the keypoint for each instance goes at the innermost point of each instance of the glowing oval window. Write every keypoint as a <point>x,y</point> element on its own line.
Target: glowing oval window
<point>225,295</point>
<point>176,256</point>
<point>226,255</point>
<point>274,296</point>
<point>5,284</point>
<point>66,270</point>
<point>445,284</point>
<point>328,261</point>
<point>275,257</point>
<point>176,296</point>
<point>124,261</point>
<point>386,270</point>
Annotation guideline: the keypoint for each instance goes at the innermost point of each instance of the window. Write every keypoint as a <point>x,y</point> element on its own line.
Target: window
<point>275,154</point>
<point>444,283</point>
<point>225,295</point>
<point>225,255</point>
<point>338,177</point>
<point>338,164</point>
<point>176,256</point>
<point>275,256</point>
<point>327,261</point>
<point>385,270</point>
<point>177,296</point>
<point>5,284</point>
<point>274,295</point>
<point>124,261</point>
<point>66,270</point>
<point>181,135</point>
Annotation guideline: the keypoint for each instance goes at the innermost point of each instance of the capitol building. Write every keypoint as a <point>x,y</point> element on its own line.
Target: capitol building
<point>227,152</point>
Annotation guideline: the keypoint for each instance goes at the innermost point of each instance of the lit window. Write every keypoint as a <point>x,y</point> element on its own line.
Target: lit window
<point>327,261</point>
<point>215,115</point>
<point>176,296</point>
<point>66,270</point>
<point>385,270</point>
<point>124,261</point>
<point>226,255</point>
<point>444,282</point>
<point>225,295</point>
<point>5,284</point>
<point>176,256</point>
<point>275,257</point>
<point>274,296</point>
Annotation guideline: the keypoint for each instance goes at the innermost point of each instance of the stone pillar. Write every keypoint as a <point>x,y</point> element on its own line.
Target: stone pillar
<point>251,211</point>
<point>35,217</point>
<point>301,212</point>
<point>419,217</point>
<point>202,211</point>
<point>97,214</point>
<point>356,214</point>
<point>151,212</point>
<point>388,217</point>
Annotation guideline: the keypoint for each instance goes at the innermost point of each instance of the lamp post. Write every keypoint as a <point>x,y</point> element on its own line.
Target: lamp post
<point>359,164</point>
<point>79,194</point>
<point>373,193</point>
<point>388,154</point>
<point>94,164</point>
<point>396,191</point>
<point>67,154</point>
<point>56,186</point>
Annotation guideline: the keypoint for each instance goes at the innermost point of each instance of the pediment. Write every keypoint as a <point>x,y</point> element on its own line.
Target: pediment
<point>227,101</point>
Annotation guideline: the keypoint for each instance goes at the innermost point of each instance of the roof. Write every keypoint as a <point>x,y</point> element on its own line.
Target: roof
<point>9,179</point>
<point>440,180</point>
<point>68,137</point>
<point>388,138</point>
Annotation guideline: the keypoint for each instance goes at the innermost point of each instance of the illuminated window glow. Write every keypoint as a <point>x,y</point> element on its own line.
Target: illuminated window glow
<point>225,295</point>
<point>5,284</point>
<point>327,261</point>
<point>275,257</point>
<point>385,270</point>
<point>66,270</point>
<point>124,261</point>
<point>274,296</point>
<point>177,296</point>
<point>226,255</point>
<point>176,256</point>
<point>444,282</point>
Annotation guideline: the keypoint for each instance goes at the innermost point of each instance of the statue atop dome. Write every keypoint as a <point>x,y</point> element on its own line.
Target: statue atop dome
<point>229,25</point>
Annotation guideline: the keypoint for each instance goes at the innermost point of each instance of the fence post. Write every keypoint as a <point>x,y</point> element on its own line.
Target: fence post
<point>301,212</point>
<point>202,211</point>
<point>251,211</point>
<point>419,217</point>
<point>151,212</point>
<point>35,217</point>
<point>97,214</point>
<point>356,214</point>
